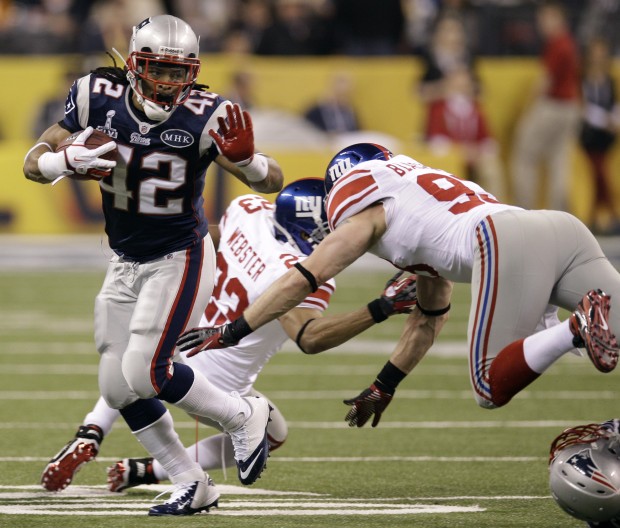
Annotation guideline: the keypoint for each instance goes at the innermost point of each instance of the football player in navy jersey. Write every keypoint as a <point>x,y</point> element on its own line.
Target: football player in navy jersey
<point>167,130</point>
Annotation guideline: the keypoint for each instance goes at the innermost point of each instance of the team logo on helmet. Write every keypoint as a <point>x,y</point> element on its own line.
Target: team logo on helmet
<point>340,168</point>
<point>582,462</point>
<point>308,206</point>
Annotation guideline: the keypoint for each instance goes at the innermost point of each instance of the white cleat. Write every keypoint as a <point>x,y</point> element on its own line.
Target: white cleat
<point>188,498</point>
<point>250,441</point>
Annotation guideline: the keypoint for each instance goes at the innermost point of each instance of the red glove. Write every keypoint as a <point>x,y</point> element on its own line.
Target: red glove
<point>236,138</point>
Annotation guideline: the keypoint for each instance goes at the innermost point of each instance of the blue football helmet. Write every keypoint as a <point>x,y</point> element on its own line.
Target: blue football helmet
<point>349,157</point>
<point>300,217</point>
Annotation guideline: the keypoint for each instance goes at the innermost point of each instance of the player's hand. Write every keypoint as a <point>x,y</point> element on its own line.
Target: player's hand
<point>82,159</point>
<point>399,295</point>
<point>205,338</point>
<point>77,158</point>
<point>369,402</point>
<point>236,138</point>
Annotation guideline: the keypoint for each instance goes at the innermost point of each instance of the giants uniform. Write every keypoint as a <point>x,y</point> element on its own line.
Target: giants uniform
<point>249,260</point>
<point>517,261</point>
<point>161,276</point>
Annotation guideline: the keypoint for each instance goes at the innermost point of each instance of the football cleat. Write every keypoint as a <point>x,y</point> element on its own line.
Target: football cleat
<point>188,498</point>
<point>131,472</point>
<point>250,441</point>
<point>590,328</point>
<point>61,469</point>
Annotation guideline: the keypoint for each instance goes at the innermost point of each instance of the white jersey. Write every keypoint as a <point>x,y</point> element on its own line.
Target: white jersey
<point>431,215</point>
<point>249,260</point>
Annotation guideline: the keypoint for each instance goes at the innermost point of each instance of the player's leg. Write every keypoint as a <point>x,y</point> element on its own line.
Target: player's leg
<point>115,309</point>
<point>213,452</point>
<point>172,299</point>
<point>82,448</point>
<point>527,279</point>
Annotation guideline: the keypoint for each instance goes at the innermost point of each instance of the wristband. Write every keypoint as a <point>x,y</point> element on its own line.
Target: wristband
<point>256,169</point>
<point>52,165</point>
<point>433,313</point>
<point>376,311</point>
<point>238,329</point>
<point>389,378</point>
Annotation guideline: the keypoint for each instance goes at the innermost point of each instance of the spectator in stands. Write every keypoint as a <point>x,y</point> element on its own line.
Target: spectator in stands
<point>600,120</point>
<point>448,50</point>
<point>548,127</point>
<point>295,30</point>
<point>368,27</point>
<point>457,119</point>
<point>335,113</point>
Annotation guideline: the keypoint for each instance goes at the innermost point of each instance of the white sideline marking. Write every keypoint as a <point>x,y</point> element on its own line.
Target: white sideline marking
<point>99,502</point>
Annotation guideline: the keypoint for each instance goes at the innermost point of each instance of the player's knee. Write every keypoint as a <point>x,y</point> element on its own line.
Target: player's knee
<point>138,377</point>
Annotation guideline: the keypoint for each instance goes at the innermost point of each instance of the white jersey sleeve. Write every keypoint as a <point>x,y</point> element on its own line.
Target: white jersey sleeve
<point>249,260</point>
<point>431,215</point>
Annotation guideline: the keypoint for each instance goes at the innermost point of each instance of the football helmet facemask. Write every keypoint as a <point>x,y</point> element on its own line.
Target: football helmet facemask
<point>584,473</point>
<point>349,157</point>
<point>300,217</point>
<point>163,64</point>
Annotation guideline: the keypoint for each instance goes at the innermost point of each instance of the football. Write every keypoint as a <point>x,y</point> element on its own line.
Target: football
<point>96,139</point>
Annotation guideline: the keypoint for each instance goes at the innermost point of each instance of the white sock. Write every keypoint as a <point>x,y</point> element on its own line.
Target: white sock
<point>162,442</point>
<point>542,349</point>
<point>205,399</point>
<point>102,416</point>
<point>210,452</point>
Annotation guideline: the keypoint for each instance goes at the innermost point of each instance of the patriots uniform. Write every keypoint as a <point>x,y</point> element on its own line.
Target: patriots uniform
<point>431,214</point>
<point>249,260</point>
<point>152,200</point>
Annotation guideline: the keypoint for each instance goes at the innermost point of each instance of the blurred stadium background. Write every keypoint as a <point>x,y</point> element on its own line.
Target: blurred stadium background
<point>434,449</point>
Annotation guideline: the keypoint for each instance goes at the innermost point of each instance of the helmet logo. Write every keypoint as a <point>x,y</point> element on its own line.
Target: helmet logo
<point>308,206</point>
<point>583,463</point>
<point>339,168</point>
<point>165,50</point>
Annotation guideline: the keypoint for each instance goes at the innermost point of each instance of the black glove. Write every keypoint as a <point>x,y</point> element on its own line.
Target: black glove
<point>399,296</point>
<point>370,401</point>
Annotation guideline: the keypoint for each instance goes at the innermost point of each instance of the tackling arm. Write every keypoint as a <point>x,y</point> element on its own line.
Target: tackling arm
<point>315,333</point>
<point>416,339</point>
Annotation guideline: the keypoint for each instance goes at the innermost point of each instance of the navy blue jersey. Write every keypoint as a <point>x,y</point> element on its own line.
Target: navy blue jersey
<point>152,200</point>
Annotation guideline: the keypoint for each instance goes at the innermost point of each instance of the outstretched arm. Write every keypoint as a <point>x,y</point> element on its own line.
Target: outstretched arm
<point>337,251</point>
<point>315,333</point>
<point>416,339</point>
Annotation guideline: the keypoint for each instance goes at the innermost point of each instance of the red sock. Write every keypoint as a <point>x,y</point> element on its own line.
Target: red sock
<point>509,374</point>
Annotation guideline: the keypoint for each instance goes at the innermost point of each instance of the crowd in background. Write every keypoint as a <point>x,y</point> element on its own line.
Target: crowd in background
<point>575,42</point>
<point>295,27</point>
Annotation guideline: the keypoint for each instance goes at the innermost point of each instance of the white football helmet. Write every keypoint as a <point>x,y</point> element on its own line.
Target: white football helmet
<point>584,473</point>
<point>163,64</point>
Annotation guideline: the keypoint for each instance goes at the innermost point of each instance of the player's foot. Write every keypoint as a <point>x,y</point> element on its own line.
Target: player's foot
<point>189,498</point>
<point>61,469</point>
<point>250,441</point>
<point>131,472</point>
<point>590,328</point>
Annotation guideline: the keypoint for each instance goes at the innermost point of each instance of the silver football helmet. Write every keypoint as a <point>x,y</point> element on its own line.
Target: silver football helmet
<point>163,64</point>
<point>584,473</point>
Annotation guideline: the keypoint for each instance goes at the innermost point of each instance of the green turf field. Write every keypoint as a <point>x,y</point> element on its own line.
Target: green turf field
<point>436,460</point>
